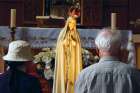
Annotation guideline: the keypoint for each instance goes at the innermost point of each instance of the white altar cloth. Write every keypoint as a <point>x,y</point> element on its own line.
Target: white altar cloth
<point>47,37</point>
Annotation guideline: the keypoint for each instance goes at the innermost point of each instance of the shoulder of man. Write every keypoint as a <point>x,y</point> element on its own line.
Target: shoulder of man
<point>123,67</point>
<point>88,70</point>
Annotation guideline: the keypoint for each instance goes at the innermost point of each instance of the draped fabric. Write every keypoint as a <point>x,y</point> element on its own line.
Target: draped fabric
<point>68,60</point>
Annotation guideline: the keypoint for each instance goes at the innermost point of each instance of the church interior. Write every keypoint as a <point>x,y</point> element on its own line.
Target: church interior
<point>40,21</point>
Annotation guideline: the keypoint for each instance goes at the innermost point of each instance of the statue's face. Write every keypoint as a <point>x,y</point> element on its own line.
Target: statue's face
<point>72,24</point>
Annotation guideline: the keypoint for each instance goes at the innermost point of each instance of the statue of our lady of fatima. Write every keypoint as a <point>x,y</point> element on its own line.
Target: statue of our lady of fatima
<point>68,62</point>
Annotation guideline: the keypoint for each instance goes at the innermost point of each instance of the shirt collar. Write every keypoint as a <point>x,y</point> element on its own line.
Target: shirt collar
<point>108,58</point>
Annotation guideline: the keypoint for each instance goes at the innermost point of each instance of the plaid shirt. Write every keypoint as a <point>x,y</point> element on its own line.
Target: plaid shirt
<point>109,75</point>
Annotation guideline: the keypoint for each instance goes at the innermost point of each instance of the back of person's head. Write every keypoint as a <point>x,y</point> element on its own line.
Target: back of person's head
<point>19,52</point>
<point>108,40</point>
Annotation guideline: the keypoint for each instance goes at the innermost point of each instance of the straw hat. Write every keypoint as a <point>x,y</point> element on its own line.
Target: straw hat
<point>19,51</point>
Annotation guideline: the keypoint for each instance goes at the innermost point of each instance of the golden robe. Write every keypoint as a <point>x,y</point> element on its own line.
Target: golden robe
<point>68,60</point>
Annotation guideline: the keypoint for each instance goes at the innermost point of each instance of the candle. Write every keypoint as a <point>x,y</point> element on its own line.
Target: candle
<point>13,18</point>
<point>113,21</point>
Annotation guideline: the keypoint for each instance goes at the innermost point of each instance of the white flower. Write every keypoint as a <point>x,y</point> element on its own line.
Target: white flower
<point>48,74</point>
<point>46,55</point>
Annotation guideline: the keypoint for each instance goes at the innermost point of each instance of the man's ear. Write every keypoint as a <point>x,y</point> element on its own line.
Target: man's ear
<point>97,52</point>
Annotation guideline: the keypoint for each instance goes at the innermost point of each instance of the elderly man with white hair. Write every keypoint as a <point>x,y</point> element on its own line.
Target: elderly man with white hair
<point>109,75</point>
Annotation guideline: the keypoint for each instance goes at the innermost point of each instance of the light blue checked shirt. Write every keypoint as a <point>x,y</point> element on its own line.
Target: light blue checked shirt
<point>108,76</point>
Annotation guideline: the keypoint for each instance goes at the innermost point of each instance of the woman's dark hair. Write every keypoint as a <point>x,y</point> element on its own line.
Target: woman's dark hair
<point>14,64</point>
<point>13,77</point>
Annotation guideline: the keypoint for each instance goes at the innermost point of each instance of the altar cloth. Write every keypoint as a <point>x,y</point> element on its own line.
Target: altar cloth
<point>47,37</point>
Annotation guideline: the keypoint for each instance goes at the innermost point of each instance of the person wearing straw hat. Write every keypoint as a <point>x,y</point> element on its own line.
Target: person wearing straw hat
<point>15,79</point>
<point>109,75</point>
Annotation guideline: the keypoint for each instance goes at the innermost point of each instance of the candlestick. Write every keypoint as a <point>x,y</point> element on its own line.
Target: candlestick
<point>13,32</point>
<point>113,21</point>
<point>13,18</point>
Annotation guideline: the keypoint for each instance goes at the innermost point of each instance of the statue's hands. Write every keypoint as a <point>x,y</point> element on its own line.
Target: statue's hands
<point>74,42</point>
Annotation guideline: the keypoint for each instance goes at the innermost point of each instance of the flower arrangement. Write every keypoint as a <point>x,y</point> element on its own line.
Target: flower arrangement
<point>88,58</point>
<point>48,55</point>
<point>45,63</point>
<point>45,56</point>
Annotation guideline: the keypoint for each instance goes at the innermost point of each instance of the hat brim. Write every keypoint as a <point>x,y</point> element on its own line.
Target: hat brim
<point>19,59</point>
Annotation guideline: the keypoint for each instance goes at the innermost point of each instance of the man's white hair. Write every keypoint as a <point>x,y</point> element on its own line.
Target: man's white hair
<point>108,40</point>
